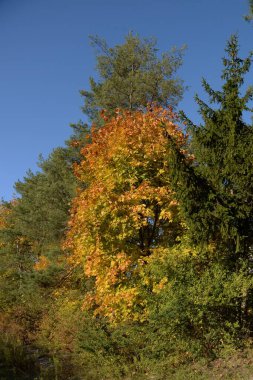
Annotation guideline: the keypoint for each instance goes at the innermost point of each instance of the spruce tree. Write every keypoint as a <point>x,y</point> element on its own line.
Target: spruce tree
<point>215,189</point>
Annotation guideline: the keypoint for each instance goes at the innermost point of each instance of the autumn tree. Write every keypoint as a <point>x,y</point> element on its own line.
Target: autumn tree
<point>127,211</point>
<point>131,75</point>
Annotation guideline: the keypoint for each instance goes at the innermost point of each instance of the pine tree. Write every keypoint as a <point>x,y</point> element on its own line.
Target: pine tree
<point>131,75</point>
<point>42,210</point>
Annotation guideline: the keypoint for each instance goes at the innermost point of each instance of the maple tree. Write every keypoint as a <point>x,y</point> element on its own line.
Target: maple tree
<point>127,210</point>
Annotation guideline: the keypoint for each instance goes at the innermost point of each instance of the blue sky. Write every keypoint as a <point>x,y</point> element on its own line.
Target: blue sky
<point>46,58</point>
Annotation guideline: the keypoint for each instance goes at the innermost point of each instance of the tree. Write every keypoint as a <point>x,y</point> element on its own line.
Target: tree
<point>45,200</point>
<point>42,210</point>
<point>127,210</point>
<point>131,76</point>
<point>215,190</point>
<point>21,301</point>
<point>249,16</point>
<point>223,168</point>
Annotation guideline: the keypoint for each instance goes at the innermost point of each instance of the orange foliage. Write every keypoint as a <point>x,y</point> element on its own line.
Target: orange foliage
<point>126,209</point>
<point>4,213</point>
<point>42,263</point>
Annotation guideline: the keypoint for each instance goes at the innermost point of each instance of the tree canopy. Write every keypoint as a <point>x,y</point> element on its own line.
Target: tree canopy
<point>130,252</point>
<point>217,187</point>
<point>127,209</point>
<point>131,75</point>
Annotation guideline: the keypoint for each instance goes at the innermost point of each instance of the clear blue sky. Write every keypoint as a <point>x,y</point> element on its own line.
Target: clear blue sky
<point>46,59</point>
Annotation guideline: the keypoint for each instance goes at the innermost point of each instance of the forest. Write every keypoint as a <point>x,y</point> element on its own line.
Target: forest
<point>129,253</point>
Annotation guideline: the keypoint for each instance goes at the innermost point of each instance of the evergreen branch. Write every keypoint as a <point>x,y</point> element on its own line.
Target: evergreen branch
<point>249,16</point>
<point>247,97</point>
<point>184,119</point>
<point>205,110</point>
<point>216,96</point>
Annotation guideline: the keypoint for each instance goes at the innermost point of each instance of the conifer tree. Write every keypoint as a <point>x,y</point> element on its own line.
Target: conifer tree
<point>42,211</point>
<point>216,190</point>
<point>131,75</point>
<point>249,16</point>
